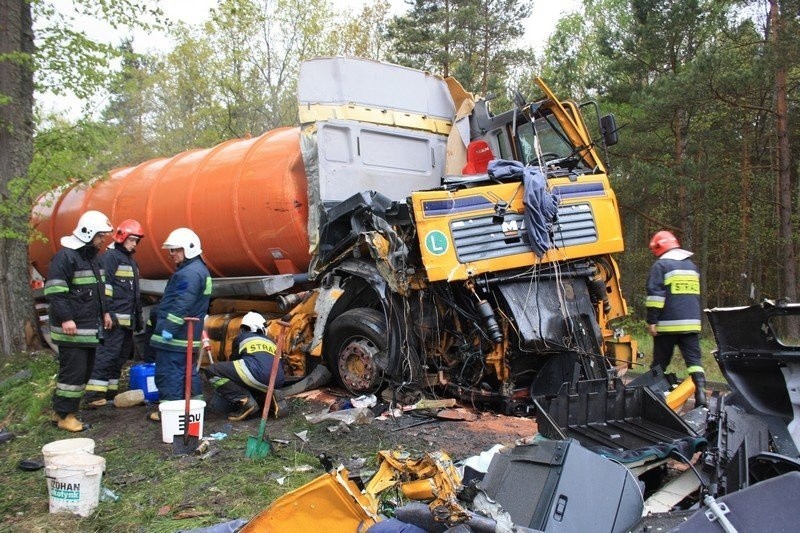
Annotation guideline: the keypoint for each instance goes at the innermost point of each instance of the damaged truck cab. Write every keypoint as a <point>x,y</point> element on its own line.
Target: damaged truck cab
<point>428,276</point>
<point>380,232</point>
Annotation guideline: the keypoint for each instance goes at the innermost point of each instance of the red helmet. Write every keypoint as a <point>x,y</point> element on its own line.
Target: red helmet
<point>126,229</point>
<point>662,242</point>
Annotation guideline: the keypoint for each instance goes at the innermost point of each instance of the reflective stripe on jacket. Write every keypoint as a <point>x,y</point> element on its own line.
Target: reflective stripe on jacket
<point>257,354</point>
<point>673,293</point>
<point>122,273</point>
<point>187,293</point>
<point>75,290</point>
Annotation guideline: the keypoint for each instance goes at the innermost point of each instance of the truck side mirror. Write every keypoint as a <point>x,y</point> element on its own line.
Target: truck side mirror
<point>608,129</point>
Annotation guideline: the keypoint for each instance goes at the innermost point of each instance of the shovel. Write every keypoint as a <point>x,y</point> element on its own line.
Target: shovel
<point>184,444</point>
<point>258,447</point>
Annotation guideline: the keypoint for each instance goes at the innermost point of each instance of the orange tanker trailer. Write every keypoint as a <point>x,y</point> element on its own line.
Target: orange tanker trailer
<point>245,198</point>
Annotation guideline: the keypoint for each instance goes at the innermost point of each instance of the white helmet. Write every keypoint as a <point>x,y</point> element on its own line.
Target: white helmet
<point>90,224</point>
<point>186,239</point>
<point>254,321</point>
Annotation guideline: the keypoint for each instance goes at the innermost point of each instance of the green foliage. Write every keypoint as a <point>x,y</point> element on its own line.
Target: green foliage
<point>67,61</point>
<point>691,85</point>
<point>362,34</point>
<point>462,39</point>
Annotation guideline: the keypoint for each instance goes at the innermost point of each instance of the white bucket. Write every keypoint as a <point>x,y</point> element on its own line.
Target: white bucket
<point>172,418</point>
<point>66,447</point>
<point>73,483</point>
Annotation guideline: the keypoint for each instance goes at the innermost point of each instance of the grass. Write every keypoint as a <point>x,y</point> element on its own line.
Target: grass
<point>156,493</point>
<point>677,366</point>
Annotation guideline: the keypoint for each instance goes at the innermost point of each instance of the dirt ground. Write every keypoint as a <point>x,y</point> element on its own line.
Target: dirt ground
<point>347,444</point>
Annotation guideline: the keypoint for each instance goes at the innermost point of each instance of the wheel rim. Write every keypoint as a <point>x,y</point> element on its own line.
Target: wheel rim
<point>356,363</point>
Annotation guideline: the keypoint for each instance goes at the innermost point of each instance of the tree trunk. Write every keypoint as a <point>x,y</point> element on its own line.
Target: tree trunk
<point>16,153</point>
<point>784,153</point>
<point>744,213</point>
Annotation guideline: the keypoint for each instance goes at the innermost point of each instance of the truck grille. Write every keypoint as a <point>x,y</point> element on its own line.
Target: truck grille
<point>480,238</point>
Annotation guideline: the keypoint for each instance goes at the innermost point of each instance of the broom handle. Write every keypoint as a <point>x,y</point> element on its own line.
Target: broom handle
<point>187,386</point>
<point>273,374</point>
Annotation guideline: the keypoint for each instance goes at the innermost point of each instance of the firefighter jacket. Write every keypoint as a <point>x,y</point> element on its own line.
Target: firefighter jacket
<point>76,290</point>
<point>187,294</point>
<point>122,273</point>
<point>255,354</point>
<point>673,293</point>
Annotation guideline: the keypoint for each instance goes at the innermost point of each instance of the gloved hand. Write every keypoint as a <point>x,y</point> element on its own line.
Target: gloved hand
<point>166,335</point>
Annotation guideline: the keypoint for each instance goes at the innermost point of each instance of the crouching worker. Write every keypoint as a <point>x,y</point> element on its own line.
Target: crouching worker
<point>240,381</point>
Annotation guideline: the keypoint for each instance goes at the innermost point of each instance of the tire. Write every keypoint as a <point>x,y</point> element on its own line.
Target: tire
<point>356,349</point>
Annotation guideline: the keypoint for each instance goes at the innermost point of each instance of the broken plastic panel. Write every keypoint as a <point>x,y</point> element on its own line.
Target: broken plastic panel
<point>625,423</point>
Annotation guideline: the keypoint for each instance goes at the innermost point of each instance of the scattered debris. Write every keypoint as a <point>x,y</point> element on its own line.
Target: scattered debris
<point>22,375</point>
<point>303,435</point>
<point>202,447</point>
<point>298,469</point>
<point>129,398</point>
<point>224,527</point>
<point>457,414</point>
<point>364,401</point>
<point>30,465</point>
<point>183,515</point>
<point>360,415</point>
<point>432,404</point>
<point>341,426</point>
<point>5,436</point>
<point>108,495</point>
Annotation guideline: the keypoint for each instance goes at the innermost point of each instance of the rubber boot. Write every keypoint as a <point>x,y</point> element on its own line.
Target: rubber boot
<point>71,423</point>
<point>699,379</point>
<point>247,406</point>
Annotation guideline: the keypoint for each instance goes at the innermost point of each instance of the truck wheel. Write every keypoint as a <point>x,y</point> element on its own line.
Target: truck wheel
<point>355,347</point>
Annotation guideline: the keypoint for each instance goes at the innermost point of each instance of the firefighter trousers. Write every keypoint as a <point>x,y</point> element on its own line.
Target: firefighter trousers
<point>74,368</point>
<point>111,357</point>
<point>171,373</point>
<point>689,345</point>
<point>228,384</point>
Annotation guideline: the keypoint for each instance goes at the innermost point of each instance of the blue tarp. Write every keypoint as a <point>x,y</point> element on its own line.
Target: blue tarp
<point>541,207</point>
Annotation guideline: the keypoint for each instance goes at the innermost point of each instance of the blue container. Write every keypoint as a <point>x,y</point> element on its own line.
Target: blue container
<point>143,376</point>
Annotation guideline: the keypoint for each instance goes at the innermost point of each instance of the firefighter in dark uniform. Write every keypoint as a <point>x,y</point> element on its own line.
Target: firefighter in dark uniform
<point>122,273</point>
<point>187,294</point>
<point>76,293</point>
<point>247,376</point>
<point>673,309</point>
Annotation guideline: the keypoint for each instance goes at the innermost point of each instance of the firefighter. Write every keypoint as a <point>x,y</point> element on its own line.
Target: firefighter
<point>187,294</point>
<point>76,292</point>
<point>122,273</point>
<point>248,374</point>
<point>673,309</point>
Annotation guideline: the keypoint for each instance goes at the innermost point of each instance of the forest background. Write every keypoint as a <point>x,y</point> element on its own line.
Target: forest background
<point>705,91</point>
